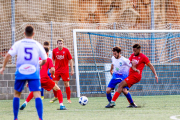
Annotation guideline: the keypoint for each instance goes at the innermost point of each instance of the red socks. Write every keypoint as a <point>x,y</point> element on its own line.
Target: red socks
<point>30,96</point>
<point>116,95</point>
<point>60,96</point>
<point>68,92</point>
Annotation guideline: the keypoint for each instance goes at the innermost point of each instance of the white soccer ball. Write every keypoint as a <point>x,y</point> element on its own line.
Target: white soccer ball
<point>83,100</point>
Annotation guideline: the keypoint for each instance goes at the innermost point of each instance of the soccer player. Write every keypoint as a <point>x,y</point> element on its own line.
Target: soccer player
<point>140,60</point>
<point>28,52</point>
<point>119,70</point>
<point>46,45</point>
<point>61,57</point>
<point>47,83</point>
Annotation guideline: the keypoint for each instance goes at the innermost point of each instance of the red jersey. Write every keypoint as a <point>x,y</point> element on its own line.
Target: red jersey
<point>141,60</point>
<point>61,58</point>
<point>44,69</point>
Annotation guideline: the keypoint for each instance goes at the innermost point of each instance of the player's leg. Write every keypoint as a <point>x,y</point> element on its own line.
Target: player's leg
<point>129,98</point>
<point>56,80</point>
<point>30,96</point>
<point>65,78</point>
<point>42,93</point>
<point>60,97</point>
<point>35,87</point>
<point>117,93</point>
<point>18,87</point>
<point>108,93</point>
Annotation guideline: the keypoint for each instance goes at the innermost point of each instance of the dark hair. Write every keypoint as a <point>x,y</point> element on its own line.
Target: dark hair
<point>46,49</point>
<point>46,43</point>
<point>138,46</point>
<point>117,49</point>
<point>29,30</point>
<point>59,40</point>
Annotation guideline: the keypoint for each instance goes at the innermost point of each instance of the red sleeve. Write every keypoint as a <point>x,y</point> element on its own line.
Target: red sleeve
<point>53,55</point>
<point>130,58</point>
<point>69,55</point>
<point>50,64</point>
<point>146,60</point>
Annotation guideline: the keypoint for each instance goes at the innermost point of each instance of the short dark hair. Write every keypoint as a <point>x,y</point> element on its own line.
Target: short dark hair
<point>59,40</point>
<point>29,30</point>
<point>46,43</point>
<point>117,49</point>
<point>46,49</point>
<point>138,46</point>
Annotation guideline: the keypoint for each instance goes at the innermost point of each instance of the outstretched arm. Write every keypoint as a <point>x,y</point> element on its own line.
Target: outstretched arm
<point>7,57</point>
<point>153,70</point>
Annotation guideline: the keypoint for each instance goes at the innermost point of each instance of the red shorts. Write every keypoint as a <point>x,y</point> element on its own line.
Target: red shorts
<point>64,76</point>
<point>47,84</point>
<point>132,79</point>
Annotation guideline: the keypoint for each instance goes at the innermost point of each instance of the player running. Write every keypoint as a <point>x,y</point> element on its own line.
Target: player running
<point>119,70</point>
<point>47,83</point>
<point>62,57</point>
<point>46,45</point>
<point>28,52</point>
<point>133,78</point>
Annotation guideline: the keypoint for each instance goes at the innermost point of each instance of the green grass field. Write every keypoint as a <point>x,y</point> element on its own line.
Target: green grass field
<point>152,108</point>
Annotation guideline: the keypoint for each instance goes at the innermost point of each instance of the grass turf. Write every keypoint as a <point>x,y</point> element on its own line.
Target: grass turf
<point>152,108</point>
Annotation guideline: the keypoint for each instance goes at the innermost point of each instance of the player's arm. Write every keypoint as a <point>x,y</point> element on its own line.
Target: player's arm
<point>52,71</point>
<point>134,66</point>
<point>111,70</point>
<point>43,62</point>
<point>7,57</point>
<point>153,70</point>
<point>71,65</point>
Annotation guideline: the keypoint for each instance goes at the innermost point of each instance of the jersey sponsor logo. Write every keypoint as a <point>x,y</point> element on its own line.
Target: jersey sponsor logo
<point>137,61</point>
<point>60,57</point>
<point>27,69</point>
<point>11,48</point>
<point>120,64</point>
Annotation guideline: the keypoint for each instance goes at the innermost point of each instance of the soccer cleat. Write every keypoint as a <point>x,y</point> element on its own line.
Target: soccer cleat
<point>133,105</point>
<point>42,97</point>
<point>63,108</point>
<point>22,106</point>
<point>69,101</point>
<point>53,100</point>
<point>110,105</point>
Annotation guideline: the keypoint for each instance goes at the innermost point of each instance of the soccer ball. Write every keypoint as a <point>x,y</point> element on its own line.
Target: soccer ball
<point>83,100</point>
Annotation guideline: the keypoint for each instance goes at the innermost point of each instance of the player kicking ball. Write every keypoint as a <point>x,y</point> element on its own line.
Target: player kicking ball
<point>47,83</point>
<point>140,60</point>
<point>119,70</point>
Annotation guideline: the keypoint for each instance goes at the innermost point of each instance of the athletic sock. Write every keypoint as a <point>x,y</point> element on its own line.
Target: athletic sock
<point>16,107</point>
<point>39,107</point>
<point>30,96</point>
<point>55,93</point>
<point>42,91</point>
<point>129,98</point>
<point>68,92</point>
<point>116,95</point>
<point>60,96</point>
<point>109,97</point>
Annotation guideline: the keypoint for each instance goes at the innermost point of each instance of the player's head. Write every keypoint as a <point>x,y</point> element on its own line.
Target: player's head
<point>46,44</point>
<point>47,50</point>
<point>29,31</point>
<point>136,49</point>
<point>60,43</point>
<point>116,52</point>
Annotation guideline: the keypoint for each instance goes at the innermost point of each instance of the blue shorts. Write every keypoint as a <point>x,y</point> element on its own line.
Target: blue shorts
<point>114,82</point>
<point>34,85</point>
